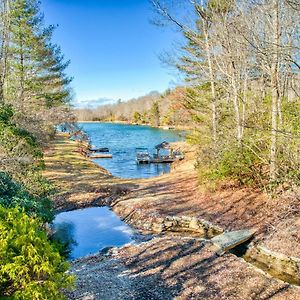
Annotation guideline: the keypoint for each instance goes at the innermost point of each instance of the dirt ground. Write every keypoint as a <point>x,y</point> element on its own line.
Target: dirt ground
<point>277,220</point>
<point>172,267</point>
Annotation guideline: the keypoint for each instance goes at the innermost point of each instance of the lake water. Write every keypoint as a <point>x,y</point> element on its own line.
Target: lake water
<point>122,140</point>
<point>90,230</point>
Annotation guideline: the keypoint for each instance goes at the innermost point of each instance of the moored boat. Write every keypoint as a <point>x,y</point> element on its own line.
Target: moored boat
<point>142,156</point>
<point>101,150</point>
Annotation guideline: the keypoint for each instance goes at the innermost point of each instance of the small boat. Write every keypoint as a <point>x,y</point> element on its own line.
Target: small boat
<point>142,156</point>
<point>168,127</point>
<point>101,150</point>
<point>178,155</point>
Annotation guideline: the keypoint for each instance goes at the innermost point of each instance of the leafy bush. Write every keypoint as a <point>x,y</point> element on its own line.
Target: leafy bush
<point>13,194</point>
<point>239,163</point>
<point>15,140</point>
<point>6,113</point>
<point>38,185</point>
<point>30,265</point>
<point>21,155</point>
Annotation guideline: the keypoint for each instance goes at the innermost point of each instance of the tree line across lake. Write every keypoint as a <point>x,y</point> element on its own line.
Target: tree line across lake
<point>153,109</point>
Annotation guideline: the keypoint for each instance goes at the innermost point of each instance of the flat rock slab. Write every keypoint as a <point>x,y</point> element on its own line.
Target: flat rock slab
<point>230,240</point>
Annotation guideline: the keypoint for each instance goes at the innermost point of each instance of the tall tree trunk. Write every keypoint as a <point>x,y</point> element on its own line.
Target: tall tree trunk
<point>275,91</point>
<point>22,76</point>
<point>244,104</point>
<point>4,46</point>
<point>212,85</point>
<point>211,77</point>
<point>236,107</point>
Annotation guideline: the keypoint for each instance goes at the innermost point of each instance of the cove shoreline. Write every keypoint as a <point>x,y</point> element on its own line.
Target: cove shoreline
<point>166,127</point>
<point>147,204</point>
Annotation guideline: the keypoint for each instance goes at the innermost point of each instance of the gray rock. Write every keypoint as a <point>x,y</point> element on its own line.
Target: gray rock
<point>230,240</point>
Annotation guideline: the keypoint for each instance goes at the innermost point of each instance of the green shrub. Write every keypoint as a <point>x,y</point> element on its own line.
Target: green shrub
<point>6,113</point>
<point>234,163</point>
<point>16,141</point>
<point>13,194</point>
<point>38,185</point>
<point>30,265</point>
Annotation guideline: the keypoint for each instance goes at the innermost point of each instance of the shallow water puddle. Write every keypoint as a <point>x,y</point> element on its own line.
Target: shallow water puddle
<point>90,230</point>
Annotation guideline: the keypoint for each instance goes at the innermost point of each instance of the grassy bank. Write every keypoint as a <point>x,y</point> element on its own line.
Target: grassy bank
<point>78,180</point>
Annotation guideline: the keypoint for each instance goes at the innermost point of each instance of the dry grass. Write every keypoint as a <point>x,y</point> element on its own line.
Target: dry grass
<point>78,180</point>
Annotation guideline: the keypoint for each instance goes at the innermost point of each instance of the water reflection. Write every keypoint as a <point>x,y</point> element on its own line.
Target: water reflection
<point>65,233</point>
<point>90,230</point>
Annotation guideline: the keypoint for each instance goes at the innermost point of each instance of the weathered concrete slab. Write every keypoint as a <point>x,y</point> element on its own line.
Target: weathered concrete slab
<point>278,265</point>
<point>230,240</point>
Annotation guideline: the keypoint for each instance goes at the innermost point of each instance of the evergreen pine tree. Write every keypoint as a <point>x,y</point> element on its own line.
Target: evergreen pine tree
<point>37,86</point>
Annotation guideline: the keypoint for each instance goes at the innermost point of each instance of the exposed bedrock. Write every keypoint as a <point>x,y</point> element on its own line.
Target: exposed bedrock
<point>280,266</point>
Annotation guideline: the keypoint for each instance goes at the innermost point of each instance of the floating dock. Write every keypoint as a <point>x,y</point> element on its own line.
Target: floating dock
<point>162,160</point>
<point>101,156</point>
<point>143,156</point>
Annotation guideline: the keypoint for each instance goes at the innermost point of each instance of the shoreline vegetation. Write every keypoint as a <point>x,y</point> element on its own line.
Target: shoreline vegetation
<point>166,127</point>
<point>164,110</point>
<point>151,205</point>
<point>35,97</point>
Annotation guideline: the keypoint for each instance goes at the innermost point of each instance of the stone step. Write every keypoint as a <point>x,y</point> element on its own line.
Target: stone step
<point>230,240</point>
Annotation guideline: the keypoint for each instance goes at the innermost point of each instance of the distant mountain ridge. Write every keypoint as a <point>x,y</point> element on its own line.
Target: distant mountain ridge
<point>94,103</point>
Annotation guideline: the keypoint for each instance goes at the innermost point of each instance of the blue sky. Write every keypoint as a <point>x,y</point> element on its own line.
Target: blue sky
<point>112,46</point>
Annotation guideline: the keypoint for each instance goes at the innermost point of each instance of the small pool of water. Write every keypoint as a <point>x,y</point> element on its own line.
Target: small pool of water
<point>90,230</point>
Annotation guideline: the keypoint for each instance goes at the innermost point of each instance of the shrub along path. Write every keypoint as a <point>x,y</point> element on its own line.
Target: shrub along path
<point>172,266</point>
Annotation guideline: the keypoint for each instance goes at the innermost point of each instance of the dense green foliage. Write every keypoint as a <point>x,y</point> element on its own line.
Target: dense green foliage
<point>155,114</point>
<point>13,194</point>
<point>30,266</point>
<point>20,154</point>
<point>34,99</point>
<point>11,134</point>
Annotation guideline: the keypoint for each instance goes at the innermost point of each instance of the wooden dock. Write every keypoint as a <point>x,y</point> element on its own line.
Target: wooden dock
<point>101,156</point>
<point>143,156</point>
<point>162,160</point>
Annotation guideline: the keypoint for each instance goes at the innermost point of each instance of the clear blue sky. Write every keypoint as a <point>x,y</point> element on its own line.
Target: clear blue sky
<point>112,46</point>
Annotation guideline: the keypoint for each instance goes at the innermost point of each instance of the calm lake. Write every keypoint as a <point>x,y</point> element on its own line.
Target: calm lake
<point>122,140</point>
<point>90,230</point>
